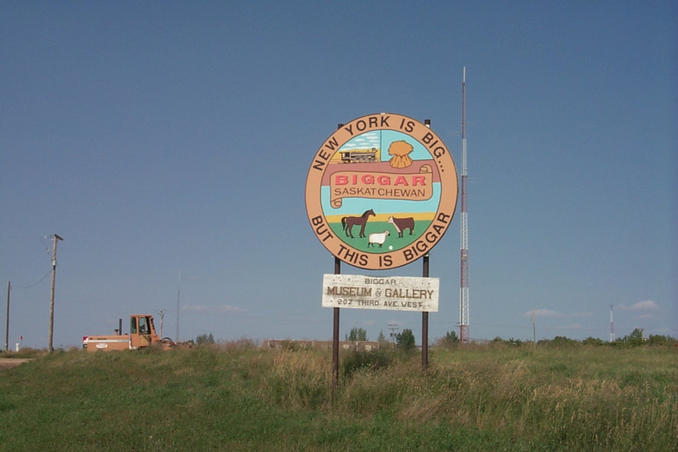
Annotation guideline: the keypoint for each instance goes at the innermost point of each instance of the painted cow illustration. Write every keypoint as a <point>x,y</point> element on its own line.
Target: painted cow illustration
<point>401,224</point>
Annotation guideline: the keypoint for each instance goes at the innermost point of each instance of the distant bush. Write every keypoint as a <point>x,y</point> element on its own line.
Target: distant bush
<point>405,340</point>
<point>658,339</point>
<point>381,338</point>
<point>510,341</point>
<point>592,341</point>
<point>449,340</point>
<point>205,339</point>
<point>558,341</point>
<point>357,334</point>
<point>632,340</point>
<point>635,338</point>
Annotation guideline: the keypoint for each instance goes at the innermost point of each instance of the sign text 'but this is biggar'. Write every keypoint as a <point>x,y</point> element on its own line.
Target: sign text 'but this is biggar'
<point>381,191</point>
<point>400,293</point>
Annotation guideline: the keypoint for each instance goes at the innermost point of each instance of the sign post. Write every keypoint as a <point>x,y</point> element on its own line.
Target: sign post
<point>335,337</point>
<point>381,192</point>
<point>424,322</point>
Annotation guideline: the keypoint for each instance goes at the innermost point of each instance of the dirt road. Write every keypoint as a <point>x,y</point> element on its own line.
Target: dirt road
<point>7,363</point>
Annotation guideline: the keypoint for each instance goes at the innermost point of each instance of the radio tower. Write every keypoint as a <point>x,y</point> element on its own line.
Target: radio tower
<point>464,332</point>
<point>611,323</point>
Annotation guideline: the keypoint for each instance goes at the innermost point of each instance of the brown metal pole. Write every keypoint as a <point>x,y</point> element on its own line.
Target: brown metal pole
<point>424,324</point>
<point>424,315</point>
<point>335,336</point>
<point>335,330</point>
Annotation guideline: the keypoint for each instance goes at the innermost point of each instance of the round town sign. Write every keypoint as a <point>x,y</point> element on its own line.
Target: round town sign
<point>381,191</point>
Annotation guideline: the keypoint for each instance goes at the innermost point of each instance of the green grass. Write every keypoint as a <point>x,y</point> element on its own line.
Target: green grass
<point>380,226</point>
<point>238,397</point>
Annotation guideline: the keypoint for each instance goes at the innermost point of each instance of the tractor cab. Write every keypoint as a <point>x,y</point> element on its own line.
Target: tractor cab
<point>141,331</point>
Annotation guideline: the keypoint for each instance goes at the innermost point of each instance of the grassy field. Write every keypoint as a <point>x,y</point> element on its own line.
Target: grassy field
<point>239,397</point>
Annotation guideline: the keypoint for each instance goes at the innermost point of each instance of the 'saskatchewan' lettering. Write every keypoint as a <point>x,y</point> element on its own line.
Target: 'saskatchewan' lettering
<point>406,187</point>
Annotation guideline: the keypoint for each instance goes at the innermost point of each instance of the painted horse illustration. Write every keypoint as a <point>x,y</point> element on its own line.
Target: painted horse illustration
<point>347,223</point>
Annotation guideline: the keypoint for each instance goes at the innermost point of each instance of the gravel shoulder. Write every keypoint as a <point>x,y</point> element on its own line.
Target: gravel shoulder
<point>8,363</point>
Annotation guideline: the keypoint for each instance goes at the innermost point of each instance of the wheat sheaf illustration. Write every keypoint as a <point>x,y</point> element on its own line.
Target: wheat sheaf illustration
<point>400,151</point>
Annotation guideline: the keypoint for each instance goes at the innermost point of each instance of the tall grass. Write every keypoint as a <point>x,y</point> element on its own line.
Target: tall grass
<point>239,397</point>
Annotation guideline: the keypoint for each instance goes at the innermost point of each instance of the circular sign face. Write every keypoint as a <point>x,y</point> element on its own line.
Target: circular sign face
<point>381,191</point>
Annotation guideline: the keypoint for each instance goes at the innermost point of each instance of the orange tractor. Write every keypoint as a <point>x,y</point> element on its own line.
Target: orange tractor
<point>141,335</point>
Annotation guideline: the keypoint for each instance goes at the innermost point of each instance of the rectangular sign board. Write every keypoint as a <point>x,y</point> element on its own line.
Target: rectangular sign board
<point>395,293</point>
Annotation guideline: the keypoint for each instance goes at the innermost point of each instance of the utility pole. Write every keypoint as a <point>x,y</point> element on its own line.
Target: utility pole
<point>162,321</point>
<point>534,330</point>
<point>51,303</point>
<point>9,290</point>
<point>393,326</point>
<point>178,305</point>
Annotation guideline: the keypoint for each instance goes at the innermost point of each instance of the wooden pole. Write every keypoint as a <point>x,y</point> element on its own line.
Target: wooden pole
<point>9,290</point>
<point>178,305</point>
<point>534,331</point>
<point>50,345</point>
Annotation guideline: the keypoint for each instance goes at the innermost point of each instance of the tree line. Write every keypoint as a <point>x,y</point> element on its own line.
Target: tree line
<point>405,339</point>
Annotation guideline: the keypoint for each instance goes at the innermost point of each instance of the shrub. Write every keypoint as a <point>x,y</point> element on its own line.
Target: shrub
<point>659,339</point>
<point>514,342</point>
<point>449,340</point>
<point>205,339</point>
<point>592,341</point>
<point>405,340</point>
<point>558,341</point>
<point>635,338</point>
<point>356,360</point>
<point>357,334</point>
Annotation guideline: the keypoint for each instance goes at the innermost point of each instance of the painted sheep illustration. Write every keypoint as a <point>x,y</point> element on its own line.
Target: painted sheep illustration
<point>377,238</point>
<point>401,224</point>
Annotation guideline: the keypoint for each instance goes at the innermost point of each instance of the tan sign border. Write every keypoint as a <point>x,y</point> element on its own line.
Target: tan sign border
<point>448,194</point>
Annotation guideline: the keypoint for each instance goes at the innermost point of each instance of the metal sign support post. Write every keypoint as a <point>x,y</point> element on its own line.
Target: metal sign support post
<point>335,331</point>
<point>335,337</point>
<point>424,315</point>
<point>424,323</point>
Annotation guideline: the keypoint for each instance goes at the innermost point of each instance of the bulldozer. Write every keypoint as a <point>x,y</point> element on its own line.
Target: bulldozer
<point>142,334</point>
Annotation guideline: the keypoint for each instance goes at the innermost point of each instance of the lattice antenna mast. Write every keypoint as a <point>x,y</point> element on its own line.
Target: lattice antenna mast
<point>464,326</point>
<point>611,323</point>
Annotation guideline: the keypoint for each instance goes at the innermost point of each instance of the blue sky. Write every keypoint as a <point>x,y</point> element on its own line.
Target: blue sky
<point>168,138</point>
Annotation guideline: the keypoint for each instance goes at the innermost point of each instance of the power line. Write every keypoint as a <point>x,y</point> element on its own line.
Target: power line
<point>28,286</point>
